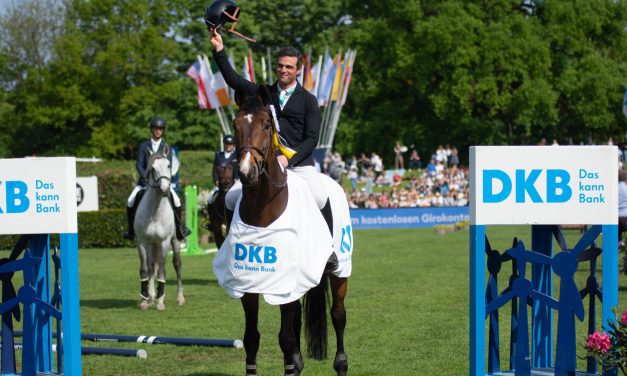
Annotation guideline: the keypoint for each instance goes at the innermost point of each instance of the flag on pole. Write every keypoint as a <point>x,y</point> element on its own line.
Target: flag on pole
<point>313,77</point>
<point>338,77</point>
<point>326,81</point>
<point>218,86</point>
<point>264,73</point>
<point>249,71</point>
<point>207,77</point>
<point>347,76</point>
<point>194,73</point>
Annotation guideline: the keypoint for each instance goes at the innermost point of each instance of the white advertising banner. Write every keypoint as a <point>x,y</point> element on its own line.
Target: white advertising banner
<point>38,196</point>
<point>543,185</point>
<point>87,193</point>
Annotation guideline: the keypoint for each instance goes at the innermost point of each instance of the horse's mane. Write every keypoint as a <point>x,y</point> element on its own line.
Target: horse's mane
<point>253,103</point>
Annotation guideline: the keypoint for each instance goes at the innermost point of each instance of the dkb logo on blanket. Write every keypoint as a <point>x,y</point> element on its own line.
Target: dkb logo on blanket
<point>254,254</point>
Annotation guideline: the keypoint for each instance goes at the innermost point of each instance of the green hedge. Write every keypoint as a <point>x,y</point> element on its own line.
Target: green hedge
<point>102,229</point>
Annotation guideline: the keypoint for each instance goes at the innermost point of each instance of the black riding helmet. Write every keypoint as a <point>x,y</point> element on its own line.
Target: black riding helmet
<point>157,122</point>
<point>221,12</point>
<point>228,139</point>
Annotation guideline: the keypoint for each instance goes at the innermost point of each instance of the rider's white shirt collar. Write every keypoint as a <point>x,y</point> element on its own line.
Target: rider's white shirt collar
<point>155,144</point>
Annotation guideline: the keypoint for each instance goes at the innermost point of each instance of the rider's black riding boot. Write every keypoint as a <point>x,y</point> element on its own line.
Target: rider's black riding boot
<point>328,215</point>
<point>181,231</point>
<point>130,217</point>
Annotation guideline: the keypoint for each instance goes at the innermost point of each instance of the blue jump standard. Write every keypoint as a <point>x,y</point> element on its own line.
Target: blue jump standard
<point>541,372</point>
<point>533,352</point>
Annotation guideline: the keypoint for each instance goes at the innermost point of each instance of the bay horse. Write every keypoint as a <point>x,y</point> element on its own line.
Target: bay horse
<point>247,253</point>
<point>154,227</point>
<point>216,208</point>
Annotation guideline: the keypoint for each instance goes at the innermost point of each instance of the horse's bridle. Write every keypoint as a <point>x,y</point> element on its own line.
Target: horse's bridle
<point>157,180</point>
<point>261,163</point>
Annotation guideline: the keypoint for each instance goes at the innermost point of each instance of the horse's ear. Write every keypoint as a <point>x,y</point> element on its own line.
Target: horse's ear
<point>264,95</point>
<point>166,150</point>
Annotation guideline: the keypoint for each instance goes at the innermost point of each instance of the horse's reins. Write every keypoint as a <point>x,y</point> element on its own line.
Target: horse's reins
<point>261,164</point>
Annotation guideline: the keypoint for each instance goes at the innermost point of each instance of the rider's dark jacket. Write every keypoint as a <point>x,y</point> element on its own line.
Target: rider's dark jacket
<point>299,119</point>
<point>220,158</point>
<point>143,153</point>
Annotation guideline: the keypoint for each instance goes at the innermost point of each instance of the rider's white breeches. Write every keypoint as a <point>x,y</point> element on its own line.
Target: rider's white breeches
<point>131,198</point>
<point>307,173</point>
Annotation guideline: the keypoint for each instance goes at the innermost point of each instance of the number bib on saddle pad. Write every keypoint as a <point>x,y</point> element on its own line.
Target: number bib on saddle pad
<point>282,261</point>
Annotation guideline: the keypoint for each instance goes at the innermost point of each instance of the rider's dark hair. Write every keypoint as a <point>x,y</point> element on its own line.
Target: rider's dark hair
<point>292,52</point>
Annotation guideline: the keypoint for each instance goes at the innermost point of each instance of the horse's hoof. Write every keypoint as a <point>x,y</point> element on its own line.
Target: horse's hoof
<point>144,305</point>
<point>160,306</point>
<point>340,365</point>
<point>180,300</point>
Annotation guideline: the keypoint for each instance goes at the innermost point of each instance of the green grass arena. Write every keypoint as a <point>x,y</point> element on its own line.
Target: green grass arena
<point>407,308</point>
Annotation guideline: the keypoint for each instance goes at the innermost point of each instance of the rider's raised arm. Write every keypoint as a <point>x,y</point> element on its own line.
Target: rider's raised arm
<point>311,131</point>
<point>235,81</point>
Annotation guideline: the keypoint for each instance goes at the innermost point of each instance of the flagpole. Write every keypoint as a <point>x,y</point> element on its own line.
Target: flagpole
<point>317,81</point>
<point>270,80</point>
<point>348,58</point>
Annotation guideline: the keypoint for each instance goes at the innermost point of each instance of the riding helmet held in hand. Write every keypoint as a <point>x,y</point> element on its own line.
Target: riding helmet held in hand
<point>220,12</point>
<point>157,122</point>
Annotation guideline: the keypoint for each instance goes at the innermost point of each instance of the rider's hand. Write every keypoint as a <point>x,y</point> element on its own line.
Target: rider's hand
<point>216,40</point>
<point>282,160</point>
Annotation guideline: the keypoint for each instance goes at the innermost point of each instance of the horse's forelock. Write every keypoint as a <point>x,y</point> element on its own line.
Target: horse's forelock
<point>151,161</point>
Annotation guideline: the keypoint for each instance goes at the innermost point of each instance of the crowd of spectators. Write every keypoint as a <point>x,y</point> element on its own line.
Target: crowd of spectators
<point>442,182</point>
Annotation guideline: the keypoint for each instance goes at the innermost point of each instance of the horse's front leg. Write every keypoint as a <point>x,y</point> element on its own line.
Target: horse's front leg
<point>144,276</point>
<point>160,257</point>
<point>176,260</point>
<point>250,303</point>
<point>339,286</point>
<point>288,338</point>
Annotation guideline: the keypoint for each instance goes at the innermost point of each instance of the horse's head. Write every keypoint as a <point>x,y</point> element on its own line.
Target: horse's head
<point>253,136</point>
<point>159,173</point>
<point>226,177</point>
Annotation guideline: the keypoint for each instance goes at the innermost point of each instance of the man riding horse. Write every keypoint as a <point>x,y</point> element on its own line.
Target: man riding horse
<point>228,156</point>
<point>298,116</point>
<point>156,144</point>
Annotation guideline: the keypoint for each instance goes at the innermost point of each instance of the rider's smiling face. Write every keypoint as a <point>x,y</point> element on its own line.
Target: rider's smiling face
<point>286,70</point>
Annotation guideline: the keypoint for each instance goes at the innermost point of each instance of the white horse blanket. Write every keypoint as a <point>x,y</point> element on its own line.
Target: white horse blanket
<point>287,258</point>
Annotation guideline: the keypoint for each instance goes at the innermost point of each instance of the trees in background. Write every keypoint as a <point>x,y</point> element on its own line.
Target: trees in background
<point>83,77</point>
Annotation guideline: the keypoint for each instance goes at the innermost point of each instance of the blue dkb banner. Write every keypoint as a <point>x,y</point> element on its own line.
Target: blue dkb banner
<point>408,217</point>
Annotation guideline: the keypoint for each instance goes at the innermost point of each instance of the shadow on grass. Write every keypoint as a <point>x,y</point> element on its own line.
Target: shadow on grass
<point>108,303</point>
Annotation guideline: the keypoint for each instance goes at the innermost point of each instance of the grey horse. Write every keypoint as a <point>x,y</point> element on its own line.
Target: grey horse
<point>154,226</point>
